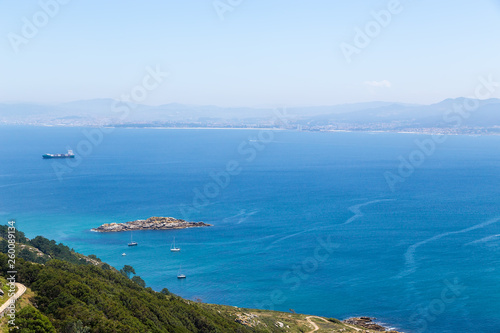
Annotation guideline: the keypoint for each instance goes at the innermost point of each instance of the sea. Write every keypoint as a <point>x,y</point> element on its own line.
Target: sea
<point>401,227</point>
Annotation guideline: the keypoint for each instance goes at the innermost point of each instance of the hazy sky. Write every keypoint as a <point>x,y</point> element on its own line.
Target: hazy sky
<point>248,53</point>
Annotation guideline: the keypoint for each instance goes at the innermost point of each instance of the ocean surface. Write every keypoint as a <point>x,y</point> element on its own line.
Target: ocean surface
<point>331,224</point>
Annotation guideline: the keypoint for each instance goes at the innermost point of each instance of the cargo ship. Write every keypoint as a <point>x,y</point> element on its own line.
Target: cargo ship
<point>70,154</point>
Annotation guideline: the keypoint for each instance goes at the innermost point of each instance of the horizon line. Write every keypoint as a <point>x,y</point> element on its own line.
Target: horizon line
<point>240,106</point>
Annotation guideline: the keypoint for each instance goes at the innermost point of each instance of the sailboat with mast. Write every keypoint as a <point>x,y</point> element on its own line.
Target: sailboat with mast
<point>132,243</point>
<point>173,248</point>
<point>180,275</point>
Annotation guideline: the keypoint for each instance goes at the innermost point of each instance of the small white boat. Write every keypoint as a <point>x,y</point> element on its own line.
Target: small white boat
<point>124,254</point>
<point>180,275</point>
<point>173,248</point>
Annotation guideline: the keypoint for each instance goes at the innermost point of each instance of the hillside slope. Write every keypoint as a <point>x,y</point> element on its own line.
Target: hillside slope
<point>70,292</point>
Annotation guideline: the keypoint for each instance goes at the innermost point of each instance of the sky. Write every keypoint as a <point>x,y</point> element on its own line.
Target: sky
<point>254,53</point>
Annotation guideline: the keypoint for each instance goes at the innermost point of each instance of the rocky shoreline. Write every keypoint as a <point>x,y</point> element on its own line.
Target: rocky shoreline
<point>152,223</point>
<point>367,322</point>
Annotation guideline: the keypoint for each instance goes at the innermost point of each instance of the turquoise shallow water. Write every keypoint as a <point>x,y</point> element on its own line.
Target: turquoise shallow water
<point>307,221</point>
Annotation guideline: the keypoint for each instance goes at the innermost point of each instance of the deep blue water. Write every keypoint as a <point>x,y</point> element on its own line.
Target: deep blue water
<point>307,223</point>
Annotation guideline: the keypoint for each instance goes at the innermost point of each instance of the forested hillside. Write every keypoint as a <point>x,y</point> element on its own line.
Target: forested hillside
<point>79,294</point>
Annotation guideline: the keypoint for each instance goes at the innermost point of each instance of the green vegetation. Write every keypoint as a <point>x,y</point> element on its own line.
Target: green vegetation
<point>70,293</point>
<point>29,319</point>
<point>333,320</point>
<point>137,279</point>
<point>5,289</point>
<point>74,293</point>
<point>40,249</point>
<point>127,270</point>
<point>106,301</point>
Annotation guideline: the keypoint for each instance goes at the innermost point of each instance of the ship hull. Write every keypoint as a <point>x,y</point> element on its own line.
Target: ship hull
<point>57,156</point>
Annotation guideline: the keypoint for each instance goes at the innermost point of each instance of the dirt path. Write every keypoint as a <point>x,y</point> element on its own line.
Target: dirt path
<point>316,327</point>
<point>21,289</point>
<point>354,328</point>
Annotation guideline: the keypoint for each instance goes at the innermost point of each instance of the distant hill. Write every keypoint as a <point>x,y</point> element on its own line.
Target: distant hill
<point>359,116</point>
<point>422,115</point>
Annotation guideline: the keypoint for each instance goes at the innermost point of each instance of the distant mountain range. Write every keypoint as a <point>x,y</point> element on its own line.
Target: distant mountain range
<point>458,115</point>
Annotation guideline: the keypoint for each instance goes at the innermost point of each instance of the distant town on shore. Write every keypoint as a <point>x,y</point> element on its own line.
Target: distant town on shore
<point>451,116</point>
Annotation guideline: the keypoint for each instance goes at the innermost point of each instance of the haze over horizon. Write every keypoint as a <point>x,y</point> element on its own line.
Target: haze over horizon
<point>251,54</point>
<point>369,103</point>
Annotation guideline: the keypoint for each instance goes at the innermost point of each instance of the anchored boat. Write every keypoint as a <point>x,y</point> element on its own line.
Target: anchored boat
<point>132,243</point>
<point>173,248</point>
<point>180,275</point>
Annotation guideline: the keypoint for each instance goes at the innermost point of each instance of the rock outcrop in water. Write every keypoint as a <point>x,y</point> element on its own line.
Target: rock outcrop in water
<point>367,322</point>
<point>153,223</point>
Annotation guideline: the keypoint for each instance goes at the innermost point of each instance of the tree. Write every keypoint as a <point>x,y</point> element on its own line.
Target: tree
<point>30,319</point>
<point>27,255</point>
<point>137,279</point>
<point>77,327</point>
<point>127,270</point>
<point>4,246</point>
<point>93,256</point>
